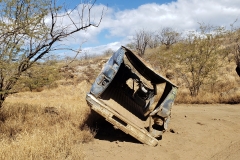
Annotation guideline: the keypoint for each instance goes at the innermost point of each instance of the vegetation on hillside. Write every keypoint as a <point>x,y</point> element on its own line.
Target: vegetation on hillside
<point>202,63</point>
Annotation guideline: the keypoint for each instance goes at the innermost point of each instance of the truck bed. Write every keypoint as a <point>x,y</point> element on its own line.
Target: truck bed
<point>121,118</point>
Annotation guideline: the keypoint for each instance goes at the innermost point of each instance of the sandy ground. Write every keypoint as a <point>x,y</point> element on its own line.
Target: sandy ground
<point>200,132</point>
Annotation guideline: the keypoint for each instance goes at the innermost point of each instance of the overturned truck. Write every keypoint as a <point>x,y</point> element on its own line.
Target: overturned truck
<point>133,97</point>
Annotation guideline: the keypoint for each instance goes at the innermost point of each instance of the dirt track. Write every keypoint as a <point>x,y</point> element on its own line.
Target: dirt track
<point>200,132</point>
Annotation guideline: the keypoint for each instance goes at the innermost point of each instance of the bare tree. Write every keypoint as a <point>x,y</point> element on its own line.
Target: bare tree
<point>108,52</point>
<point>154,41</point>
<point>30,29</point>
<point>168,37</point>
<point>141,40</point>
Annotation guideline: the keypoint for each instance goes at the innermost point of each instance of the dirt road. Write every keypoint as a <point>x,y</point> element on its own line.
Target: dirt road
<point>195,132</point>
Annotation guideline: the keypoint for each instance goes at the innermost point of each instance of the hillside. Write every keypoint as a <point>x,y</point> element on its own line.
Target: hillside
<point>51,125</point>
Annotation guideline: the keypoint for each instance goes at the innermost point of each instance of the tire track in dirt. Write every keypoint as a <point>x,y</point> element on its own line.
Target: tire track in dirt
<point>232,152</point>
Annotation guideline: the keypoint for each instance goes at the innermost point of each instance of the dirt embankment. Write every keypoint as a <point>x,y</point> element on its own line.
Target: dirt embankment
<point>195,132</point>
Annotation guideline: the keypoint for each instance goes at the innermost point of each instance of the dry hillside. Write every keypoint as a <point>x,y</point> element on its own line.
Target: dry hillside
<point>51,124</point>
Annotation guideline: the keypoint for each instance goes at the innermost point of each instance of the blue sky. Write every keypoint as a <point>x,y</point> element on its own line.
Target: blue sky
<point>118,4</point>
<point>123,18</point>
<point>129,4</point>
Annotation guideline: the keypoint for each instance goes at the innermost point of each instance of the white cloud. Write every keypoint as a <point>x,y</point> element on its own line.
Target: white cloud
<point>100,49</point>
<point>181,15</point>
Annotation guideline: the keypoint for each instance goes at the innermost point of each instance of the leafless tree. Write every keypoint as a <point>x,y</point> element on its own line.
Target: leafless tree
<point>154,41</point>
<point>141,40</point>
<point>30,29</point>
<point>108,52</point>
<point>168,37</point>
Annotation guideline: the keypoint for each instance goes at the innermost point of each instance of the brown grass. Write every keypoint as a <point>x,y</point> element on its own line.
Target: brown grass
<point>45,125</point>
<point>51,124</point>
<point>225,88</point>
<point>202,98</point>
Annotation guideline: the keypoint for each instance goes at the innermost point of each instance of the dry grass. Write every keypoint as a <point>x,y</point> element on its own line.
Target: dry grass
<point>202,98</point>
<point>51,124</point>
<point>225,89</point>
<point>45,125</point>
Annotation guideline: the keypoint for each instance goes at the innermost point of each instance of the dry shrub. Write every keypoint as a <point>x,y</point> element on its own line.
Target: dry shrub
<point>183,96</point>
<point>230,99</point>
<point>82,70</point>
<point>45,125</point>
<point>65,82</point>
<point>231,96</point>
<point>224,90</point>
<point>222,80</point>
<point>226,83</point>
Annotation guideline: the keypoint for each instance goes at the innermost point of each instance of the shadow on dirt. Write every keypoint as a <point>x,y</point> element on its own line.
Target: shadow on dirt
<point>106,131</point>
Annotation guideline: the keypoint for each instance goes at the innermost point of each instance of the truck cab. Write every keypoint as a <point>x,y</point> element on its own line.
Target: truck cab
<point>130,95</point>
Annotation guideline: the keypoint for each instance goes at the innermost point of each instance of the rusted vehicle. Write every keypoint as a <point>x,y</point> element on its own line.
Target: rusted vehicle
<point>133,97</point>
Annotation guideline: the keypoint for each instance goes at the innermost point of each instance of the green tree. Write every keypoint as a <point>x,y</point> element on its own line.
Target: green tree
<point>30,29</point>
<point>199,57</point>
<point>38,76</point>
